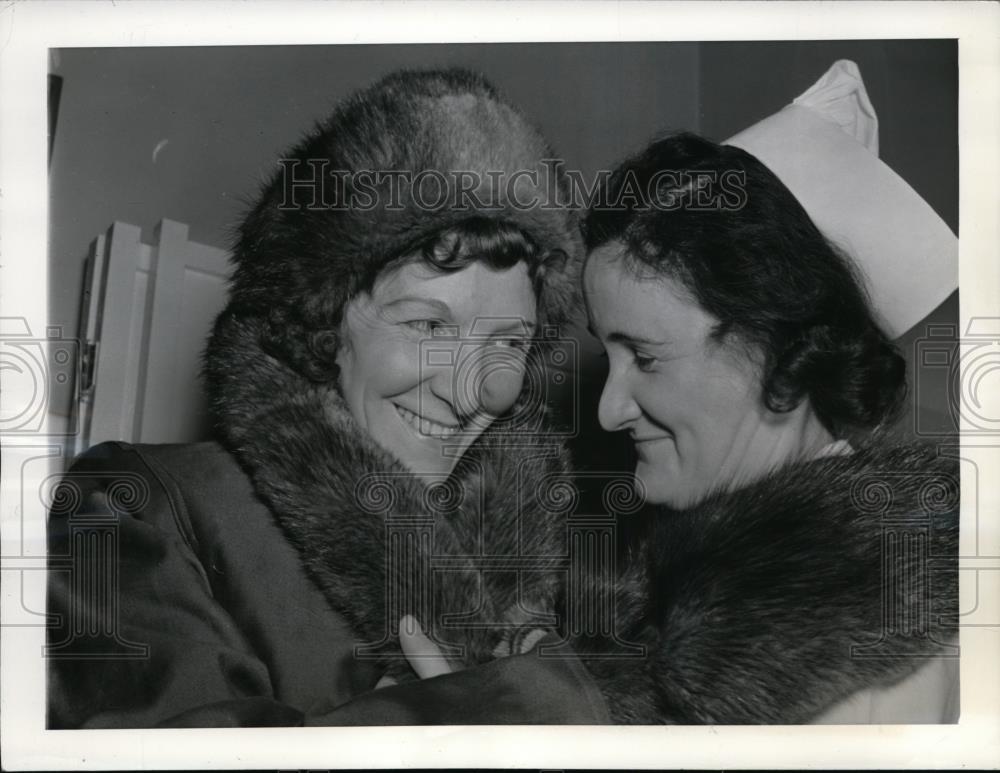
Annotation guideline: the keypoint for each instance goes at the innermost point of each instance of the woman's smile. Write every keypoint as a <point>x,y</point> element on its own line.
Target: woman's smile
<point>425,427</point>
<point>646,446</point>
<point>639,439</point>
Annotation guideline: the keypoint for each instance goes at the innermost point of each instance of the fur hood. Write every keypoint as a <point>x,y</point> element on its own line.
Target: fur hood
<point>414,154</point>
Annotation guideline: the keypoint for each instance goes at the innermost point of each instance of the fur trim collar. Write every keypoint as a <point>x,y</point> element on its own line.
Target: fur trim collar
<point>773,602</point>
<point>367,527</point>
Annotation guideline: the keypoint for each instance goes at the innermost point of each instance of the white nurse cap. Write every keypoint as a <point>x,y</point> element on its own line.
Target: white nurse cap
<point>824,148</point>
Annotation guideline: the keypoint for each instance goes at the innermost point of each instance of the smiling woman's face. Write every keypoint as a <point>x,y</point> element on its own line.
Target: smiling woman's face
<point>428,359</point>
<point>692,406</point>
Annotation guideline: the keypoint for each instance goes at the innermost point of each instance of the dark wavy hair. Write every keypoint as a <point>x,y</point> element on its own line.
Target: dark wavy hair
<point>312,348</point>
<point>716,220</point>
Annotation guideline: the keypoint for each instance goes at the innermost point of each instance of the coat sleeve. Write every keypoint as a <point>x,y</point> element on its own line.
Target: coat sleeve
<point>138,639</point>
<point>141,638</point>
<point>547,686</point>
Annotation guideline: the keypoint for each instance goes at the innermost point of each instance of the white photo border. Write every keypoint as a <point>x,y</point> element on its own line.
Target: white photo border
<point>28,30</point>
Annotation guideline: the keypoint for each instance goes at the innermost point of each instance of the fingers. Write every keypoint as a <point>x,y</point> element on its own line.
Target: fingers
<point>423,654</point>
<point>502,650</point>
<point>518,642</point>
<point>528,642</point>
<point>385,681</point>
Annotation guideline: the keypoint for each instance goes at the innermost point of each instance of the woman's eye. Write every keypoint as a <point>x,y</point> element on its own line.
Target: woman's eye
<point>645,364</point>
<point>518,344</point>
<point>426,326</point>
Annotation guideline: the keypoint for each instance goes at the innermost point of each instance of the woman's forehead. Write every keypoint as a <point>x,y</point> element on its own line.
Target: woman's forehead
<point>474,289</point>
<point>622,301</point>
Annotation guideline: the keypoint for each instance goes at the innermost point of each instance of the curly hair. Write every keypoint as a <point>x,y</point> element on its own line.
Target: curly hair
<point>717,221</point>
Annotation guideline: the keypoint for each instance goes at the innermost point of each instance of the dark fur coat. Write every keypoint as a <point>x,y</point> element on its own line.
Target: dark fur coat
<point>764,605</point>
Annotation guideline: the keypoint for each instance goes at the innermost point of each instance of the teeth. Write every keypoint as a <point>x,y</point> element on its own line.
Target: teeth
<point>426,426</point>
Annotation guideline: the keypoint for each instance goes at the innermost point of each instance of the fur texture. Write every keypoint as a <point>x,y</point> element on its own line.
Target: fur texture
<point>773,602</point>
<point>341,499</point>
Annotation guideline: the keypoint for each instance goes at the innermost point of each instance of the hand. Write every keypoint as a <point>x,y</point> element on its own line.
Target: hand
<point>518,640</point>
<point>423,655</point>
<point>427,661</point>
<point>512,644</point>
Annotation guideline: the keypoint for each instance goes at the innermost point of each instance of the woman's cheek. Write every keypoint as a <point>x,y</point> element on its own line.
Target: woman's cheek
<point>399,364</point>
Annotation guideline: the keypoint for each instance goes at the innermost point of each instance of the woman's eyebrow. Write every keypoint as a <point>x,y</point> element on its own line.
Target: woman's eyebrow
<point>438,305</point>
<point>519,326</point>
<point>444,311</point>
<point>619,337</point>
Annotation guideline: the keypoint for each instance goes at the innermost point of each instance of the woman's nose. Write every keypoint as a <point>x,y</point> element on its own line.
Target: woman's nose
<point>487,379</point>
<point>617,407</point>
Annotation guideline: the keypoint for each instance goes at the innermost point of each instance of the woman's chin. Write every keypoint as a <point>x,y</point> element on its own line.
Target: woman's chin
<point>428,464</point>
<point>658,487</point>
<point>427,457</point>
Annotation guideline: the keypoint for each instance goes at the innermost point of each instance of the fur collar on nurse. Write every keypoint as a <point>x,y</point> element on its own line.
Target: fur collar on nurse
<point>771,602</point>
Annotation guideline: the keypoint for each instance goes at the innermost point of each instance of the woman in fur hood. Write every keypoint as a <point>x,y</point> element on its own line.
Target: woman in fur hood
<point>376,383</point>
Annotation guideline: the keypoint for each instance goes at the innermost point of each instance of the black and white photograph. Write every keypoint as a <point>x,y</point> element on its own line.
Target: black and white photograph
<point>606,380</point>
